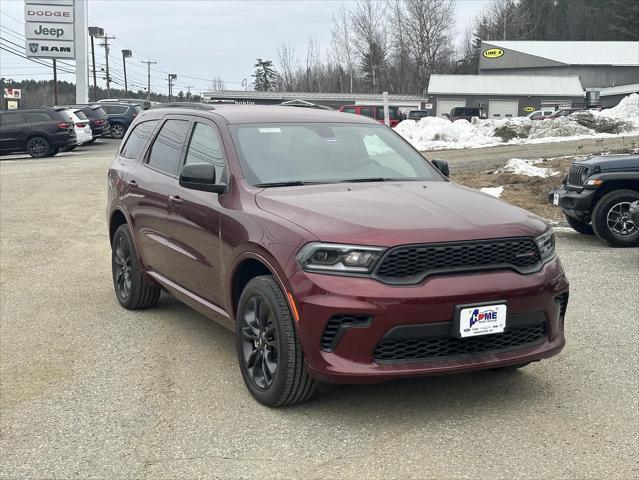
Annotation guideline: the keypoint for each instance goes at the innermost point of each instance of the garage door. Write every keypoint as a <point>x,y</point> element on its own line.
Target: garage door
<point>503,108</point>
<point>444,106</point>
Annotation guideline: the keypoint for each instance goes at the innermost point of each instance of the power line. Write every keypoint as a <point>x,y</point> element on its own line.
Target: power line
<point>18,54</point>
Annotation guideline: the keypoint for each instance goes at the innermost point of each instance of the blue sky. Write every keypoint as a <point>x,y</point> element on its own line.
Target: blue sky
<point>198,40</point>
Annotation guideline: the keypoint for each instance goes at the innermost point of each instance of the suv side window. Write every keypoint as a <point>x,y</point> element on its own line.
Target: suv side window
<point>38,116</point>
<point>367,112</point>
<point>205,147</point>
<point>114,109</point>
<point>137,139</point>
<point>11,119</point>
<point>167,147</point>
<point>349,110</point>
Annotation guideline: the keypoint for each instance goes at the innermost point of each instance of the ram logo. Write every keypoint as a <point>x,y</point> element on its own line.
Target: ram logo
<point>493,53</point>
<point>33,47</point>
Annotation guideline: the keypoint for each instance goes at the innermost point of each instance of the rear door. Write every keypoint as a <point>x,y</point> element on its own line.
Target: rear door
<point>13,131</point>
<point>195,218</point>
<point>151,183</point>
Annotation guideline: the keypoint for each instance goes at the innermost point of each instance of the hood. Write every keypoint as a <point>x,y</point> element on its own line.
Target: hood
<point>612,162</point>
<point>395,213</point>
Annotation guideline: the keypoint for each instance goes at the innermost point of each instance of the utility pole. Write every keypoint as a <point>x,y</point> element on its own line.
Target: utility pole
<point>171,77</point>
<point>148,78</point>
<point>55,82</point>
<point>95,32</point>
<point>125,54</point>
<point>106,56</point>
<point>1,93</point>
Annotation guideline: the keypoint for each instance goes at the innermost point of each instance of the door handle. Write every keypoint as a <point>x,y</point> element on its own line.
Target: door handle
<point>175,198</point>
<point>132,183</point>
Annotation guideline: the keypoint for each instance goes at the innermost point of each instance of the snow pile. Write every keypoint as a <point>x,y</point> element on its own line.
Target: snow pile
<point>526,167</point>
<point>433,133</point>
<point>494,191</point>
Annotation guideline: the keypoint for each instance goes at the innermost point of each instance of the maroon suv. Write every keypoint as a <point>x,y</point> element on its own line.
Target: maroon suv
<point>332,248</point>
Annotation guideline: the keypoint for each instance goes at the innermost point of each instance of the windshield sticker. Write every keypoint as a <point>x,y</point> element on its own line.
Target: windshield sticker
<point>270,130</point>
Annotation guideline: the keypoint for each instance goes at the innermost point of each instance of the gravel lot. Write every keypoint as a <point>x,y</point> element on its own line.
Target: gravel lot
<point>89,390</point>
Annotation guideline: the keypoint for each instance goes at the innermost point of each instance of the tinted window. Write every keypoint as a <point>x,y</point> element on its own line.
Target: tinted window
<point>393,113</point>
<point>137,139</point>
<point>80,114</point>
<point>349,110</point>
<point>38,116</point>
<point>367,112</point>
<point>205,147</point>
<point>98,112</point>
<point>167,148</point>
<point>114,109</point>
<point>11,119</point>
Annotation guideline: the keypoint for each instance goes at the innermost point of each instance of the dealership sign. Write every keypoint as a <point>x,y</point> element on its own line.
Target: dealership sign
<point>49,29</point>
<point>493,53</point>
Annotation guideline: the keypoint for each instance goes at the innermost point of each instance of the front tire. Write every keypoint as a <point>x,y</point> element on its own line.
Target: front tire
<point>579,226</point>
<point>117,130</point>
<point>611,219</point>
<point>268,350</point>
<point>38,147</point>
<point>130,289</point>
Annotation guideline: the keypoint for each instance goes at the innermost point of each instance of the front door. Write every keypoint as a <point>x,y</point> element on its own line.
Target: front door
<point>13,130</point>
<point>195,218</point>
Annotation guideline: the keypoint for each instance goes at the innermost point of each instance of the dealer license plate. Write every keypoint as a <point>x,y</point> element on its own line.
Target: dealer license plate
<point>482,320</point>
<point>555,199</point>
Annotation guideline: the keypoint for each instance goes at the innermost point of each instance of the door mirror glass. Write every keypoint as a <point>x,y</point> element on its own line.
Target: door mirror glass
<point>442,166</point>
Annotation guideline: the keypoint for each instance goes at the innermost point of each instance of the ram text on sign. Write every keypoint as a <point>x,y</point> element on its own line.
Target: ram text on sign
<point>48,13</point>
<point>49,31</point>
<point>49,49</point>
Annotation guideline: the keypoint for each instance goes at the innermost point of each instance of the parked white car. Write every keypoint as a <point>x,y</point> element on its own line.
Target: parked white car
<point>81,125</point>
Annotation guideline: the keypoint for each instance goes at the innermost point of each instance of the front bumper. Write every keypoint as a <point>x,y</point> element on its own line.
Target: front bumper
<point>575,204</point>
<point>429,304</point>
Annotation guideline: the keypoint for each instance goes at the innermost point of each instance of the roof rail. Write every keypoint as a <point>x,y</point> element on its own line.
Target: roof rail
<point>198,106</point>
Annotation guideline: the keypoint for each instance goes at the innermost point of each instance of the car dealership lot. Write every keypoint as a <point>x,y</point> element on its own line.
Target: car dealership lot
<point>89,389</point>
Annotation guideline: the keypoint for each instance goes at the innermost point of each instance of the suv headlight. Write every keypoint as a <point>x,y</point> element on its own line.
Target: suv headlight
<point>546,245</point>
<point>338,258</point>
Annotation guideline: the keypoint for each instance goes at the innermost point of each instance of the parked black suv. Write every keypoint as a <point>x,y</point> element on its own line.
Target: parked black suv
<point>466,113</point>
<point>97,119</point>
<point>120,116</point>
<point>597,196</point>
<point>41,132</point>
<point>417,115</point>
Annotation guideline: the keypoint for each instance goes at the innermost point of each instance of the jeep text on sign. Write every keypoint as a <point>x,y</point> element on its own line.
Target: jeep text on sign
<point>49,31</point>
<point>48,13</point>
<point>49,49</point>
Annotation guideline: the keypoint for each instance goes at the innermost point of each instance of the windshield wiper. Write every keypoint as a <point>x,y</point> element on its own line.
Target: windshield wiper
<point>380,179</point>
<point>290,183</point>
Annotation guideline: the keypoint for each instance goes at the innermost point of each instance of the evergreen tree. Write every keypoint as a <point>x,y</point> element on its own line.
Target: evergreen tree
<point>265,76</point>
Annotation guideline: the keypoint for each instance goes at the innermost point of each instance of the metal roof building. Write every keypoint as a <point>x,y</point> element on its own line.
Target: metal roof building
<point>333,100</point>
<point>503,95</point>
<point>597,64</point>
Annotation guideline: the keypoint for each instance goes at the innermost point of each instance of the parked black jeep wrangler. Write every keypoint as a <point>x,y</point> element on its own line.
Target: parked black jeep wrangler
<point>599,194</point>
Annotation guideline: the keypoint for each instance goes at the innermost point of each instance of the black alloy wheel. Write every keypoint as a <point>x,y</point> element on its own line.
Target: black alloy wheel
<point>259,341</point>
<point>612,219</point>
<point>117,130</point>
<point>38,147</point>
<point>122,268</point>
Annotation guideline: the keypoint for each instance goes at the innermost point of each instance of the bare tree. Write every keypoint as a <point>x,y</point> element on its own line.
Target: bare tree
<point>368,22</point>
<point>287,63</point>
<point>342,43</point>
<point>216,85</point>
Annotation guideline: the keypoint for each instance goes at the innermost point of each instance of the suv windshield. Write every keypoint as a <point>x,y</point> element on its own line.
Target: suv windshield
<point>326,153</point>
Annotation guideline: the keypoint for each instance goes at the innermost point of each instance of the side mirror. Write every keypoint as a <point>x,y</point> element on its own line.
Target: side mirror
<point>200,176</point>
<point>442,166</point>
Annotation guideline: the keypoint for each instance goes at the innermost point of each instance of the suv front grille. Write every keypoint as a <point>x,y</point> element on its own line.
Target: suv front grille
<point>433,348</point>
<point>576,175</point>
<point>412,263</point>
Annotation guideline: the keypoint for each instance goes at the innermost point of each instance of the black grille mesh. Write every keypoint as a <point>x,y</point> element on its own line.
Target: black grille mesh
<point>338,321</point>
<point>434,348</point>
<point>413,261</point>
<point>562,300</point>
<point>575,175</point>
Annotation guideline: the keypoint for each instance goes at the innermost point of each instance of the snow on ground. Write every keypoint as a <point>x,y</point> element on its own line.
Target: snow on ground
<point>521,166</point>
<point>434,133</point>
<point>494,191</point>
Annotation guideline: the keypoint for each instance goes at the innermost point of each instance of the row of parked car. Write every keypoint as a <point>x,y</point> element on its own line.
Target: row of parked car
<point>43,132</point>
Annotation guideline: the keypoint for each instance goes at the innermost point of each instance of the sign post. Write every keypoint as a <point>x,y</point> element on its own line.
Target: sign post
<point>57,29</point>
<point>386,112</point>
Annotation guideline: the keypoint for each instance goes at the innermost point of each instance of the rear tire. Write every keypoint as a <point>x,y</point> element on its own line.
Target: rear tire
<point>130,289</point>
<point>611,220</point>
<point>268,350</point>
<point>579,226</point>
<point>38,147</point>
<point>117,130</point>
